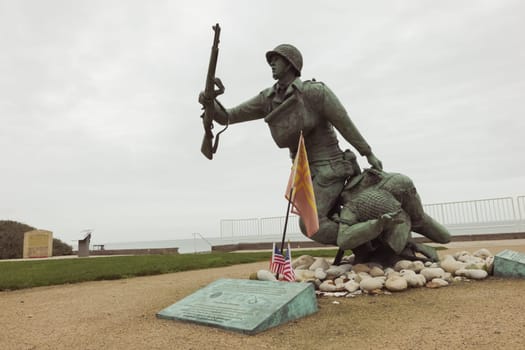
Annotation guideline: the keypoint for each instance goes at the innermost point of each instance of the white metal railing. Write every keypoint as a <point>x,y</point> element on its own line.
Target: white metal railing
<point>258,226</point>
<point>483,215</point>
<point>240,227</point>
<point>521,208</point>
<point>275,225</point>
<point>476,211</point>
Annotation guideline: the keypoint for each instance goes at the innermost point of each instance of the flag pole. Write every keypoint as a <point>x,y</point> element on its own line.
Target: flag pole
<point>286,224</point>
<point>286,218</point>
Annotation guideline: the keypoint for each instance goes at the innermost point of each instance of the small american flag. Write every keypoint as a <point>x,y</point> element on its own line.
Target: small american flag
<point>288,272</point>
<point>277,262</point>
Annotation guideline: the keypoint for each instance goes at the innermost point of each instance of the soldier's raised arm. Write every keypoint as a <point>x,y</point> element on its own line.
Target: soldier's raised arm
<point>335,112</point>
<point>252,109</point>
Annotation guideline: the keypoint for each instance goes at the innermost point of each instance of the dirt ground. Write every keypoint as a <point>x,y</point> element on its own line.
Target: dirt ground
<point>120,314</point>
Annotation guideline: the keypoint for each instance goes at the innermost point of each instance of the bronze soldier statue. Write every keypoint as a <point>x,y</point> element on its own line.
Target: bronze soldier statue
<point>380,211</point>
<point>292,105</point>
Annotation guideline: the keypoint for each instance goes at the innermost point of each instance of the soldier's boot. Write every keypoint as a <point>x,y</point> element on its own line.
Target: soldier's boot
<point>412,248</point>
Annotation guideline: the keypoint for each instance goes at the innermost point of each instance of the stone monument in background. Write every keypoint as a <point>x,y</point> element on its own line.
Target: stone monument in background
<point>38,244</point>
<point>83,243</point>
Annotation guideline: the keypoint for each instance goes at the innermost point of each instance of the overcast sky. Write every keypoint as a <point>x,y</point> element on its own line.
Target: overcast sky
<point>100,121</point>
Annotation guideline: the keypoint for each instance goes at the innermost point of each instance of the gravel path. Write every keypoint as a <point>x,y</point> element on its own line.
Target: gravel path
<point>121,315</point>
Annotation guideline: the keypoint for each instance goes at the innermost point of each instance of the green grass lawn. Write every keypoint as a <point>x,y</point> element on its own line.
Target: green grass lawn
<point>27,274</point>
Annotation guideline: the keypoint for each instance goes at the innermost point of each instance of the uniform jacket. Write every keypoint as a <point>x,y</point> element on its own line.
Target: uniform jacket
<point>307,106</point>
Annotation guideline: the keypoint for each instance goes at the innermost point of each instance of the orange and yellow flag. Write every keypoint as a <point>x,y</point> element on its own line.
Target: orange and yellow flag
<point>302,191</point>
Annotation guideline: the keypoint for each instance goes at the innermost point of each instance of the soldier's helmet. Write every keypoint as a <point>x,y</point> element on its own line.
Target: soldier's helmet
<point>290,53</point>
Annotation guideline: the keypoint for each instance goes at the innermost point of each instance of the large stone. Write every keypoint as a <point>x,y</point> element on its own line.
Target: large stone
<point>351,286</point>
<point>449,264</point>
<point>320,273</point>
<point>371,283</point>
<point>509,263</point>
<point>336,271</point>
<point>328,286</point>
<point>304,275</point>
<point>376,271</point>
<point>433,272</point>
<point>361,268</point>
<point>483,253</point>
<point>265,275</point>
<point>413,279</point>
<point>417,266</point>
<point>474,274</point>
<point>396,284</point>
<point>244,306</point>
<point>304,262</point>
<point>320,263</point>
<point>403,265</point>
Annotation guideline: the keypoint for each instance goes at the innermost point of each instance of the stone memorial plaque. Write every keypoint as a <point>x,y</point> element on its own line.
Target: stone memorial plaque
<point>38,244</point>
<point>244,306</point>
<point>509,263</point>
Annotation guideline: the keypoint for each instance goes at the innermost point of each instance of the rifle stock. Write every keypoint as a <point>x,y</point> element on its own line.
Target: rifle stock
<point>206,146</point>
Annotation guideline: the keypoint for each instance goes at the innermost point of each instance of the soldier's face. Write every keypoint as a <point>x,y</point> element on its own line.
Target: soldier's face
<point>279,66</point>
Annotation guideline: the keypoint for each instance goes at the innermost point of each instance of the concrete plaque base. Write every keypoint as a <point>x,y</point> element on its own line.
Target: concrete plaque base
<point>244,306</point>
<point>509,263</point>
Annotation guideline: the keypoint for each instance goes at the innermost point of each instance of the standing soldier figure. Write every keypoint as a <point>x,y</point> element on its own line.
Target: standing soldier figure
<point>291,106</point>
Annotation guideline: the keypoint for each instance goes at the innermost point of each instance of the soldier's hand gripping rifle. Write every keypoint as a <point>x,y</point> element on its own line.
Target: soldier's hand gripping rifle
<point>209,147</point>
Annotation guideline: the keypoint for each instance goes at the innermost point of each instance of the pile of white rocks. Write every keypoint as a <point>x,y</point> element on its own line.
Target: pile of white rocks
<point>371,278</point>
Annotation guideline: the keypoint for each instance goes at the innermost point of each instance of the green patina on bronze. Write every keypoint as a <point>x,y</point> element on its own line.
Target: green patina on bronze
<point>380,211</point>
<point>509,263</point>
<point>244,306</point>
<point>342,192</point>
